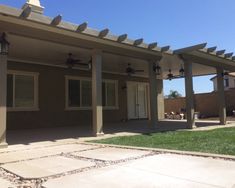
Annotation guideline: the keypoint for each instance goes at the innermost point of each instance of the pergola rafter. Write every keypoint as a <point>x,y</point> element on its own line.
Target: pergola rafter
<point>56,21</point>
<point>165,48</point>
<point>122,38</point>
<point>26,12</point>
<point>82,27</point>
<point>220,52</point>
<point>153,45</point>
<point>211,49</point>
<point>228,55</point>
<point>138,42</point>
<point>104,33</point>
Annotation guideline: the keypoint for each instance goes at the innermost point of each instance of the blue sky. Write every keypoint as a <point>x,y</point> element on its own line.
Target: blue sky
<point>178,23</point>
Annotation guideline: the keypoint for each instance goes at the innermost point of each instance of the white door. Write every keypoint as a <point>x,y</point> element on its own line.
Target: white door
<point>137,100</point>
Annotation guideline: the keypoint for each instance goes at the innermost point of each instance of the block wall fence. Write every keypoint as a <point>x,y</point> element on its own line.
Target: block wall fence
<point>206,103</point>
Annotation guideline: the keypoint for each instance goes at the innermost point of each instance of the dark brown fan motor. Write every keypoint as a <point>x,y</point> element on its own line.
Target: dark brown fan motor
<point>71,62</point>
<point>130,71</point>
<point>170,76</point>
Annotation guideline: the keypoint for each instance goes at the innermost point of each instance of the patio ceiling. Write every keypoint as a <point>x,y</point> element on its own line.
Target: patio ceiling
<point>55,54</point>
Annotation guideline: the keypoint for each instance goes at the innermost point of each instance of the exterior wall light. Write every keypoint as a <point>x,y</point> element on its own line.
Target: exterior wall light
<point>157,69</point>
<point>225,75</point>
<point>4,45</point>
<point>181,71</point>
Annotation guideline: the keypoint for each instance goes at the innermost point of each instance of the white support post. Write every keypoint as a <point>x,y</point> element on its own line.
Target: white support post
<point>189,95</point>
<point>3,100</point>
<point>97,111</point>
<point>221,96</point>
<point>153,96</point>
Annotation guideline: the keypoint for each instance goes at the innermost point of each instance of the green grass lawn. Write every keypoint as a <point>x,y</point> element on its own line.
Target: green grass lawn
<point>219,141</point>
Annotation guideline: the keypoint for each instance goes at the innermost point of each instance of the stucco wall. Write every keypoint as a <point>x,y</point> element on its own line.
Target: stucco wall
<point>206,104</point>
<point>52,111</point>
<point>231,80</point>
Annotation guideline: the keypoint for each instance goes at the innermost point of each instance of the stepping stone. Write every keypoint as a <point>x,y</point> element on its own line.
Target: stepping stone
<point>46,167</point>
<point>111,153</point>
<point>41,152</point>
<point>163,170</point>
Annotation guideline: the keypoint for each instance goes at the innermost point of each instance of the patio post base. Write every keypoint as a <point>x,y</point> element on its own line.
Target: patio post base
<point>98,134</point>
<point>3,145</point>
<point>191,127</point>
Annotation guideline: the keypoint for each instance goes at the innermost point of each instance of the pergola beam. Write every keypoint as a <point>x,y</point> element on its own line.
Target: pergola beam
<point>152,45</point>
<point>220,52</point>
<point>165,48</point>
<point>121,38</point>
<point>56,21</point>
<point>138,42</point>
<point>190,48</point>
<point>211,49</point>
<point>228,55</point>
<point>26,13</point>
<point>104,33</point>
<point>82,27</point>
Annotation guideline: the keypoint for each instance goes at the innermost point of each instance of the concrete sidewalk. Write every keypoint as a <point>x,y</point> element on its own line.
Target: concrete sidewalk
<point>72,164</point>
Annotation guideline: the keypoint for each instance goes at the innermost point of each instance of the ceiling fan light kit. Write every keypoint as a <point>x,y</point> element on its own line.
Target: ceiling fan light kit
<point>181,71</point>
<point>71,62</point>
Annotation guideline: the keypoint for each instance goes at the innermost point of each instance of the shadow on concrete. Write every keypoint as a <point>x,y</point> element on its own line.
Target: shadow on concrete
<point>28,136</point>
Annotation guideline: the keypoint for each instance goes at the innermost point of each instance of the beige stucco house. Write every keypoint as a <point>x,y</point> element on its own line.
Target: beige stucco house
<point>229,81</point>
<point>54,73</point>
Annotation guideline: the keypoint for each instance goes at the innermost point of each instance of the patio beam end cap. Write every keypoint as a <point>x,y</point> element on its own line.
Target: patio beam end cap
<point>152,45</point>
<point>190,48</point>
<point>56,20</point>
<point>122,38</point>
<point>103,33</point>
<point>82,27</point>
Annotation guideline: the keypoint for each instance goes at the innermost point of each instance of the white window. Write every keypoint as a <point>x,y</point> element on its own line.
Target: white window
<point>79,93</point>
<point>22,91</point>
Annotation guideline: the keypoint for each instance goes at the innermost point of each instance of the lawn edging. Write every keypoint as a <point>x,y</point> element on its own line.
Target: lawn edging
<point>191,153</point>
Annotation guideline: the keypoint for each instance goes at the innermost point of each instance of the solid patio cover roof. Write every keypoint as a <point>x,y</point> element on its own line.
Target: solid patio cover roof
<point>198,53</point>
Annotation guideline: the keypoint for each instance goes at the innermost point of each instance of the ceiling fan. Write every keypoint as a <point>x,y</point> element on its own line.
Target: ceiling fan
<point>130,70</point>
<point>170,76</point>
<point>71,62</point>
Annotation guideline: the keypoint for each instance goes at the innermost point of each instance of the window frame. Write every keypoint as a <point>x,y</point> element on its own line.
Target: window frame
<point>69,108</point>
<point>226,83</point>
<point>35,76</point>
<point>116,106</point>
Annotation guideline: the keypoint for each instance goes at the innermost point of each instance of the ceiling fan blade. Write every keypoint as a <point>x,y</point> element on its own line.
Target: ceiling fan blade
<point>58,64</point>
<point>76,60</point>
<point>139,70</point>
<point>83,64</point>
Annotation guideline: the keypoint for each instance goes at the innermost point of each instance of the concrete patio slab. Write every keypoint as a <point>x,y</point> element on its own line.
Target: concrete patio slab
<point>45,167</point>
<point>210,171</point>
<point>164,170</point>
<point>43,151</point>
<point>111,154</point>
